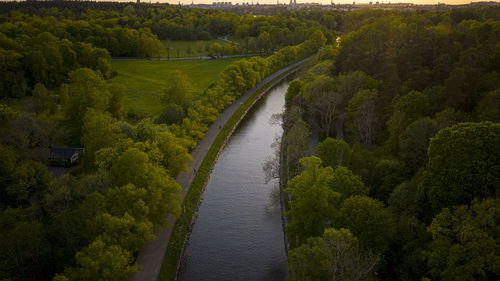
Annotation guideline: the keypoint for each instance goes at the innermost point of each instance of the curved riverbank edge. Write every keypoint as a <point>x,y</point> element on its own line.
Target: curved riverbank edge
<point>159,258</point>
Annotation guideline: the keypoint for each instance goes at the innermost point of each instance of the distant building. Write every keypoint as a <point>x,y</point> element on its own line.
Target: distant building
<point>65,156</point>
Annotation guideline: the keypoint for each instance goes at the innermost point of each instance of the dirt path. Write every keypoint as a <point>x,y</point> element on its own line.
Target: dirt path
<point>150,257</point>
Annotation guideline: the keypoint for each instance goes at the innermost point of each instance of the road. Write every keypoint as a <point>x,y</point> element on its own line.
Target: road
<point>184,58</point>
<point>150,257</point>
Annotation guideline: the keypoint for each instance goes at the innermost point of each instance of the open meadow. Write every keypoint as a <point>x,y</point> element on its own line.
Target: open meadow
<point>178,48</point>
<point>145,80</point>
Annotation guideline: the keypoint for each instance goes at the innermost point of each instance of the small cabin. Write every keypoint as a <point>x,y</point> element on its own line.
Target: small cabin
<point>65,156</point>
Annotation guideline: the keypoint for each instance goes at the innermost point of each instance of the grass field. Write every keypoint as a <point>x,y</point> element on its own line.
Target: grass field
<point>145,80</point>
<point>190,48</point>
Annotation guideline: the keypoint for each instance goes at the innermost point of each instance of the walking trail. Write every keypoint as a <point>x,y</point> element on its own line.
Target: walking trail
<point>151,256</point>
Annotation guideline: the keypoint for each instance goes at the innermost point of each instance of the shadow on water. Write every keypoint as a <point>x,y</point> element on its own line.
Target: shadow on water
<point>238,234</point>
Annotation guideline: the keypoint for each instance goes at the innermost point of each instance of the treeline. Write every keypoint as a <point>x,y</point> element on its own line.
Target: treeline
<point>189,114</point>
<point>45,50</point>
<point>404,182</point>
<point>170,22</point>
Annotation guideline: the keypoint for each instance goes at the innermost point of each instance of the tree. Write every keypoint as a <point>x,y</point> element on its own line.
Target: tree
<point>293,90</point>
<point>117,101</point>
<point>324,101</point>
<point>414,141</point>
<point>464,163</point>
<point>369,220</point>
<point>264,42</point>
<point>99,131</point>
<point>465,242</point>
<point>175,156</point>
<point>347,183</point>
<point>125,230</point>
<point>179,90</point>
<point>23,245</point>
<point>312,199</point>
<point>361,112</point>
<point>389,173</point>
<point>353,82</point>
<point>335,256</point>
<point>334,152</point>
<point>30,134</point>
<point>41,98</point>
<point>99,261</point>
<point>163,193</point>
<point>172,114</point>
<point>363,163</point>
<point>215,49</point>
<point>86,91</point>
<point>297,143</point>
<point>488,108</point>
<point>407,110</point>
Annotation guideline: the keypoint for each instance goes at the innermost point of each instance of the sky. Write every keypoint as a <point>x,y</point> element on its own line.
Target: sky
<point>451,2</point>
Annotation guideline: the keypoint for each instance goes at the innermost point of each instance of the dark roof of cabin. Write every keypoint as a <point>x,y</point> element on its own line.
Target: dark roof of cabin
<point>65,152</point>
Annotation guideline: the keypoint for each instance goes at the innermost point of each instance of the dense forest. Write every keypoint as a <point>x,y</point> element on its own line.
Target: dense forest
<point>402,186</point>
<point>404,182</point>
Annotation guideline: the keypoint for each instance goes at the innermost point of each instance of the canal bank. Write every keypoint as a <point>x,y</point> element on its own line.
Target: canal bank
<point>238,233</point>
<point>157,261</point>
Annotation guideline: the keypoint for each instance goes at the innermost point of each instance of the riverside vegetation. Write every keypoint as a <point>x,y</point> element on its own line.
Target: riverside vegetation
<point>405,180</point>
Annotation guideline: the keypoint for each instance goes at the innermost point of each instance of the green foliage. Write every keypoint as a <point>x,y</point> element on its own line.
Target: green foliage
<point>465,242</point>
<point>463,165</point>
<point>22,242</point>
<point>293,90</point>
<point>363,163</point>
<point>297,142</point>
<point>215,49</point>
<point>313,200</point>
<point>172,114</point>
<point>99,131</point>
<point>163,193</point>
<point>328,53</point>
<point>369,221</point>
<point>20,181</point>
<point>347,183</point>
<point>362,117</point>
<point>102,262</point>
<point>414,141</point>
<point>334,152</point>
<point>175,155</point>
<point>179,90</point>
<point>488,108</point>
<point>335,256</point>
<point>86,91</point>
<point>117,101</point>
<point>41,98</point>
<point>389,173</point>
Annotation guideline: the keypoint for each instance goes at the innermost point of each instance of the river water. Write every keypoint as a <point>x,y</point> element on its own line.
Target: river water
<point>238,234</point>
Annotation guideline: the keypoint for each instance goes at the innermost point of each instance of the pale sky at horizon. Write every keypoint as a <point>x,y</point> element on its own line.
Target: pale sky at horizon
<point>324,2</point>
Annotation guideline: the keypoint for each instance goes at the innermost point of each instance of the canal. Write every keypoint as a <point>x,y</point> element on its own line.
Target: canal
<point>238,234</point>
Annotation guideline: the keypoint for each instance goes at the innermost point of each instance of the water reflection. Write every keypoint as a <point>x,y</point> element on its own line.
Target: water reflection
<point>238,234</point>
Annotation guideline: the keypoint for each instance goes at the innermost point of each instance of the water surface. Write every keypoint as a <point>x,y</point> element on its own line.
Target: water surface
<point>238,233</point>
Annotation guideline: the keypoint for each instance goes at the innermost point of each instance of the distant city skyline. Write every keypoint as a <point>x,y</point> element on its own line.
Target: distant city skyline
<point>324,2</point>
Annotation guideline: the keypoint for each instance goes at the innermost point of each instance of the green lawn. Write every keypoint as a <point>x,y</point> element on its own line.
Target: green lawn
<point>190,48</point>
<point>145,80</point>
